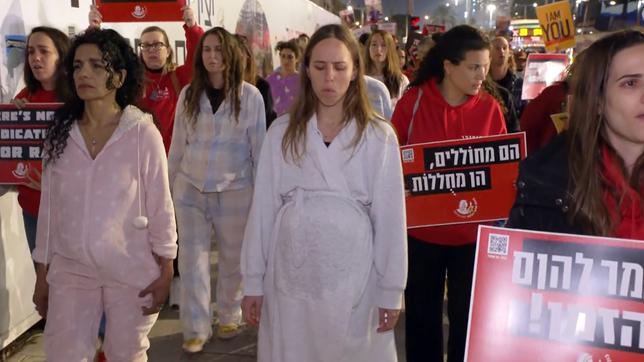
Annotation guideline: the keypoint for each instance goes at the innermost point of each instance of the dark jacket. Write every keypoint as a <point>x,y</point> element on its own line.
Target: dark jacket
<point>542,199</point>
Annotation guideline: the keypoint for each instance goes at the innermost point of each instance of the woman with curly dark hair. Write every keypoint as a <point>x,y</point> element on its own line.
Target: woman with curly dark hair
<point>106,235</point>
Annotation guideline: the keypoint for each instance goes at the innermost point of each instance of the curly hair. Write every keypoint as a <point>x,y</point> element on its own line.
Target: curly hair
<point>118,55</point>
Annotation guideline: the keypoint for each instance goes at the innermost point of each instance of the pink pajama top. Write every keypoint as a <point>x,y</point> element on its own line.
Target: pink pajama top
<point>87,208</point>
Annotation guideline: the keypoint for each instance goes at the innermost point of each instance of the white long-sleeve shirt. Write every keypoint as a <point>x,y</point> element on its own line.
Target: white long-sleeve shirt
<point>218,153</point>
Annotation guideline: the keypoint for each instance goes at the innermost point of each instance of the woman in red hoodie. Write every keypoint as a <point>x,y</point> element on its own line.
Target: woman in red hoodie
<point>444,102</point>
<point>164,79</point>
<point>46,48</point>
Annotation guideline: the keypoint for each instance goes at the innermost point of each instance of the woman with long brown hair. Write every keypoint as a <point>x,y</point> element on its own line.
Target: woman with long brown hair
<point>219,128</point>
<point>45,83</point>
<point>590,179</point>
<point>382,62</point>
<point>324,257</point>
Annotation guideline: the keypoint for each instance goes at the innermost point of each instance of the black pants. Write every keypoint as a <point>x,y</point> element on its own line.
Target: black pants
<point>428,264</point>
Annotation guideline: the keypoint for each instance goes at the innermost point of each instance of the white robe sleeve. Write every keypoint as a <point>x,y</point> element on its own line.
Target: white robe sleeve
<point>389,224</point>
<point>259,226</point>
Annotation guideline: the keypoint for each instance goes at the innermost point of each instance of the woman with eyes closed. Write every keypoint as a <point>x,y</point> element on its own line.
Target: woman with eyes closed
<point>46,49</point>
<point>590,179</point>
<point>164,79</point>
<point>285,82</point>
<point>324,257</point>
<point>106,236</point>
<point>219,128</point>
<point>444,102</point>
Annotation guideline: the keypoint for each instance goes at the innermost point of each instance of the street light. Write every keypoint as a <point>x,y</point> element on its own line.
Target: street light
<point>386,18</point>
<point>350,8</point>
<point>426,17</point>
<point>447,4</point>
<point>534,5</point>
<point>491,8</point>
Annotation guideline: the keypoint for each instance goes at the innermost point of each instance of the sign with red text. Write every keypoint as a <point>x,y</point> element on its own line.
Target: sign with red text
<point>123,11</point>
<point>540,296</point>
<point>461,181</point>
<point>22,132</point>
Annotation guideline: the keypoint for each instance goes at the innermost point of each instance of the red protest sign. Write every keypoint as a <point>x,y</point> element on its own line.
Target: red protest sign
<point>123,11</point>
<point>22,132</point>
<point>541,70</point>
<point>556,297</point>
<point>461,181</point>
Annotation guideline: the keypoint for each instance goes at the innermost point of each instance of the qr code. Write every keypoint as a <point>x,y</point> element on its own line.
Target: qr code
<point>498,244</point>
<point>408,155</point>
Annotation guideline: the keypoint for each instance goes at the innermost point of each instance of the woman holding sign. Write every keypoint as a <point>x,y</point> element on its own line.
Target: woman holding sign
<point>46,49</point>
<point>164,79</point>
<point>324,258</point>
<point>589,180</point>
<point>444,102</point>
<point>106,234</point>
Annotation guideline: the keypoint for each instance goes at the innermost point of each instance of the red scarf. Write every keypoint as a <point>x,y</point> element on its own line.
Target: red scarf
<point>628,218</point>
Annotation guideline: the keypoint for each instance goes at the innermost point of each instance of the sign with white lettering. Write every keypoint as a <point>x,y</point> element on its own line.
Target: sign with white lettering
<point>461,181</point>
<point>556,297</point>
<point>134,11</point>
<point>22,132</point>
<point>558,27</point>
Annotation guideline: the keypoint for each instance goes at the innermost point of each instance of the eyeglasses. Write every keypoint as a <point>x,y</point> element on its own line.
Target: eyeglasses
<point>147,47</point>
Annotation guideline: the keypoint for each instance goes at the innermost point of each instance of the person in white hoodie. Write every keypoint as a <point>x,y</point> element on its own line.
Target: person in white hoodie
<point>106,232</point>
<point>219,126</point>
<point>324,258</point>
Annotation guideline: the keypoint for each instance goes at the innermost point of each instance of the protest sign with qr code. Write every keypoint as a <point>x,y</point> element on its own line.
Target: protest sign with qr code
<point>556,297</point>
<point>461,181</point>
<point>22,132</point>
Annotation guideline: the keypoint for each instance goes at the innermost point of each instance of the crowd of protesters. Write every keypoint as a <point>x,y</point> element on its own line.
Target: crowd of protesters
<point>297,178</point>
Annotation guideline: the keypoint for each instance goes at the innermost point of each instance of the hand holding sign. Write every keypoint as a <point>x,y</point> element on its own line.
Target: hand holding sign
<point>34,177</point>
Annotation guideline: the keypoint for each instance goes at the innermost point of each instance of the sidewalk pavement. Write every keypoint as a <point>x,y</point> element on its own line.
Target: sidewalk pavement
<point>166,340</point>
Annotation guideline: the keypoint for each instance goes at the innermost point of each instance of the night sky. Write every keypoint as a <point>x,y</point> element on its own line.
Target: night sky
<point>392,7</point>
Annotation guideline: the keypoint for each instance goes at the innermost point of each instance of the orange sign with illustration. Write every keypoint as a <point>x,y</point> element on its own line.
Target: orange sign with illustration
<point>461,181</point>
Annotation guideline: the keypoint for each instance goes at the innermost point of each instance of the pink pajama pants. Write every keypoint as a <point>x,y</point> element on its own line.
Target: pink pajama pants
<point>76,303</point>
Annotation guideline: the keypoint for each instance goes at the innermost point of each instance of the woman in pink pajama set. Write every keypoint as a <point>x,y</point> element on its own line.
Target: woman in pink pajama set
<point>106,237</point>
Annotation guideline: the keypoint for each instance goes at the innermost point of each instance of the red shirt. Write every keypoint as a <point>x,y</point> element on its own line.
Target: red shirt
<point>436,120</point>
<point>28,198</point>
<point>535,119</point>
<point>160,96</point>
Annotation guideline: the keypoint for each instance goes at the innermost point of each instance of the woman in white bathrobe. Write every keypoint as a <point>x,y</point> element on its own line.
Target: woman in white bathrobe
<point>324,259</point>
